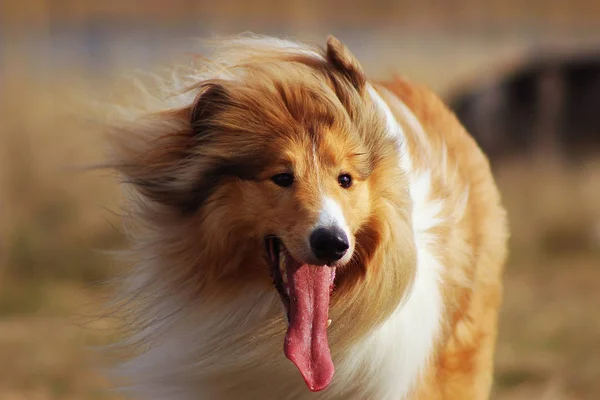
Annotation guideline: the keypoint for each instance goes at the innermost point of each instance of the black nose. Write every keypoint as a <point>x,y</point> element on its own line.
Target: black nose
<point>329,244</point>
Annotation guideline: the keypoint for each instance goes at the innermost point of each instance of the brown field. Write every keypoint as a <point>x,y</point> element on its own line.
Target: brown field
<point>55,220</point>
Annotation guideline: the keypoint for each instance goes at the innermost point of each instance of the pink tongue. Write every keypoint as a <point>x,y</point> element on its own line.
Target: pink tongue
<point>306,342</point>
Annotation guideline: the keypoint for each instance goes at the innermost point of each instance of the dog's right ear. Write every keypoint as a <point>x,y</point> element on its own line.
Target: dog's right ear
<point>211,99</point>
<point>158,154</point>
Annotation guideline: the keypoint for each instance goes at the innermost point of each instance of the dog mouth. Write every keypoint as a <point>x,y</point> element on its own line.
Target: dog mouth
<point>305,291</point>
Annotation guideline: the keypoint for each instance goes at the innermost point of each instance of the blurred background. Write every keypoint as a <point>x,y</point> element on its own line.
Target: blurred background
<point>523,76</point>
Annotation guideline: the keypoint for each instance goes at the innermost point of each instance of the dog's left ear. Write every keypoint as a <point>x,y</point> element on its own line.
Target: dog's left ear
<point>345,62</point>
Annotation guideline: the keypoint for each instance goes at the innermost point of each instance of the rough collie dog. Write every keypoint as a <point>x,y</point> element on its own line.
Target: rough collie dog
<point>298,228</point>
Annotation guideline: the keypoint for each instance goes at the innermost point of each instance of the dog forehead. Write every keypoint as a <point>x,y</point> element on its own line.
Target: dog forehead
<point>293,119</point>
<point>327,147</point>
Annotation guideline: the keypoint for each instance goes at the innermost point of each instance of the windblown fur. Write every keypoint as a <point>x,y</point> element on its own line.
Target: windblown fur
<point>416,298</point>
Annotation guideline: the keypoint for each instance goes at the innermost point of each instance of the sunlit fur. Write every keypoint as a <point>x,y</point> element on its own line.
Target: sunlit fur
<point>415,305</point>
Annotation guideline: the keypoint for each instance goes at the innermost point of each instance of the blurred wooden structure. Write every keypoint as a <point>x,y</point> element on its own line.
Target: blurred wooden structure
<point>546,104</point>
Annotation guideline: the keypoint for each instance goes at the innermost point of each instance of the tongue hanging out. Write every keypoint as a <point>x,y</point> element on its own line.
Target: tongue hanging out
<point>306,342</point>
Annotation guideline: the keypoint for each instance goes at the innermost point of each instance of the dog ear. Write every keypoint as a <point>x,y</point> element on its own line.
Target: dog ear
<point>158,155</point>
<point>344,61</point>
<point>211,98</point>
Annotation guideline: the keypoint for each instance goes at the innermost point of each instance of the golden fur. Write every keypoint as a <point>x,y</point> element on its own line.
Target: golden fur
<point>198,170</point>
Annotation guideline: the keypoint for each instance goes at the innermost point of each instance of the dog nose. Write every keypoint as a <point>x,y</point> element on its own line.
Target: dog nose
<point>329,244</point>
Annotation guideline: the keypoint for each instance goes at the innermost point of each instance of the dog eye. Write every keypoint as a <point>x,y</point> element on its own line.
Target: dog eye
<point>345,181</point>
<point>283,180</point>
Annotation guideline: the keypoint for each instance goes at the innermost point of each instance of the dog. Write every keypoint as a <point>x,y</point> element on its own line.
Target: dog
<point>300,231</point>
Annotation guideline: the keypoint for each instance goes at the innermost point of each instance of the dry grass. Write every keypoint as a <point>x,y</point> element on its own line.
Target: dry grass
<point>48,354</point>
<point>53,219</point>
<point>55,222</point>
<point>549,332</point>
<point>548,344</point>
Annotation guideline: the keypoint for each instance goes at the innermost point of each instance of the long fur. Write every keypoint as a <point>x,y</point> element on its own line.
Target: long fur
<point>415,306</point>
